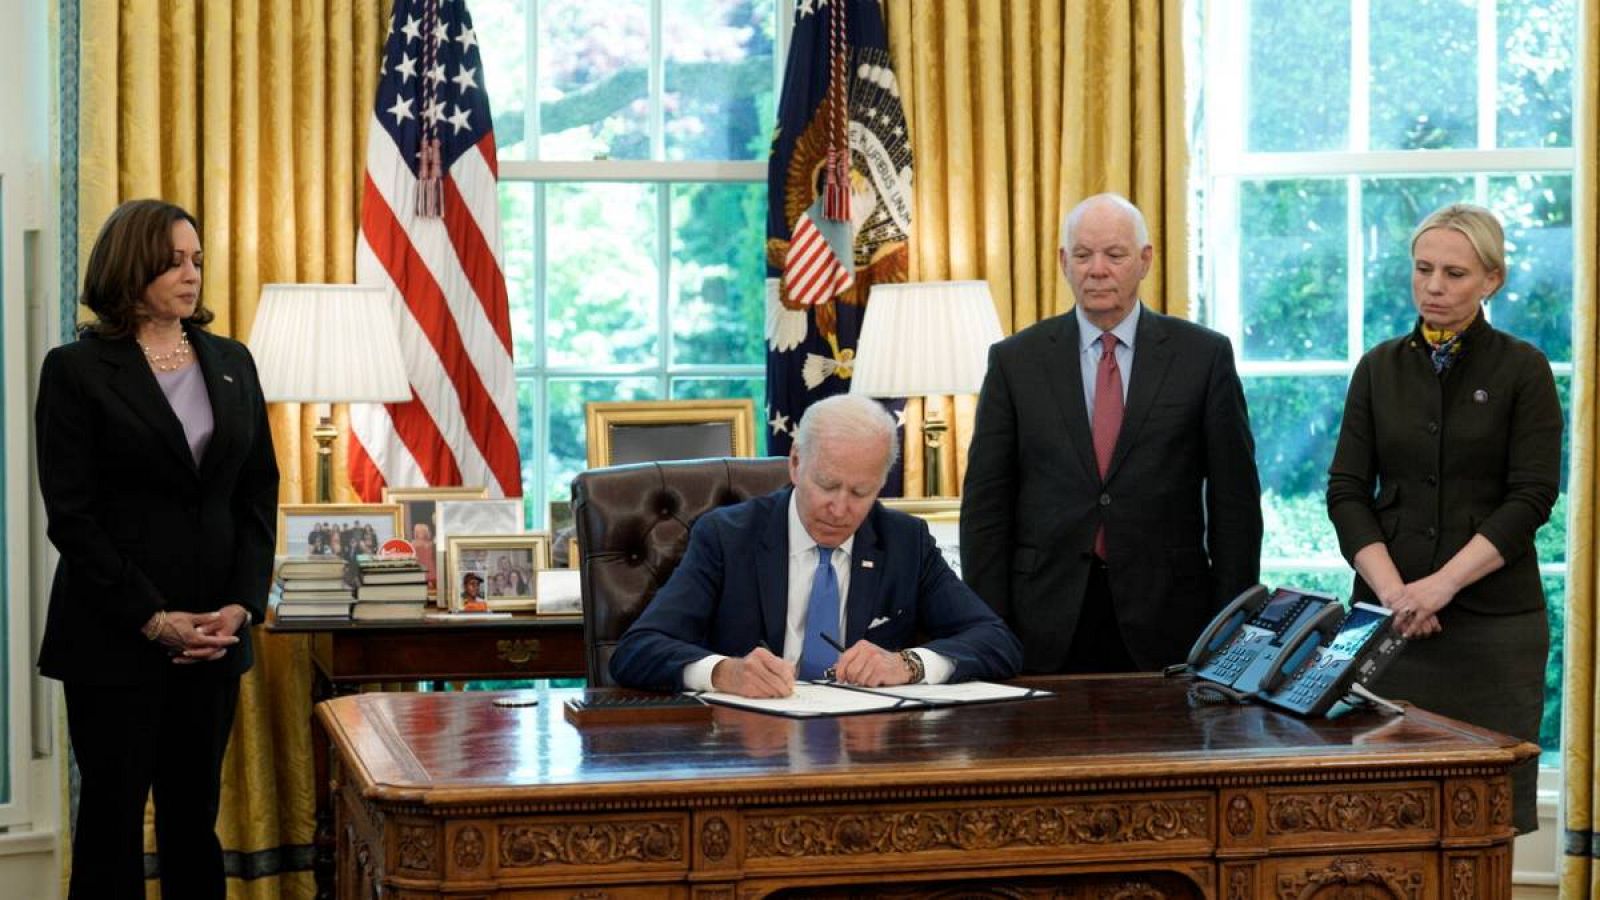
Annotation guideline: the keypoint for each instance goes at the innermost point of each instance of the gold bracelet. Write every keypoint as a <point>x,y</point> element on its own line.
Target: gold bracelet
<point>161,622</point>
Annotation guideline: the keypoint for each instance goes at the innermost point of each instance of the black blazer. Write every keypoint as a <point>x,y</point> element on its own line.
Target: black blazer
<point>139,526</point>
<point>731,591</point>
<point>1181,503</point>
<point>1424,462</point>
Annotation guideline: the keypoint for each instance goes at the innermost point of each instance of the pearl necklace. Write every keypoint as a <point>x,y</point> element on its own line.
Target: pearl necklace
<point>172,360</point>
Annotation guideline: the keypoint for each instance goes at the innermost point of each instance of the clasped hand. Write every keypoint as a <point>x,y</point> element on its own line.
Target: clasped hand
<point>1416,606</point>
<point>761,673</point>
<point>191,638</point>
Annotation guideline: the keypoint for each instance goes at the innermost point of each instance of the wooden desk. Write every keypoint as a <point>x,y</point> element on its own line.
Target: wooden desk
<point>347,655</point>
<point>1115,787</point>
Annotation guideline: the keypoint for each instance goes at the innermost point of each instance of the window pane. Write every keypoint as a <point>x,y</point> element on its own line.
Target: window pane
<point>529,411</point>
<point>1336,583</point>
<point>501,26</point>
<point>1293,105</point>
<point>718,97</point>
<point>567,397</point>
<point>594,79</point>
<point>1536,63</point>
<point>602,283</point>
<point>1424,75</point>
<point>1536,303</point>
<point>1391,208</point>
<point>516,240</point>
<point>754,388</point>
<point>718,274</point>
<point>1295,421</point>
<point>1292,269</point>
<point>1555,596</point>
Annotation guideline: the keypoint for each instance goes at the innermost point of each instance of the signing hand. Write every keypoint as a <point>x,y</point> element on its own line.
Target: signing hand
<point>869,665</point>
<point>757,674</point>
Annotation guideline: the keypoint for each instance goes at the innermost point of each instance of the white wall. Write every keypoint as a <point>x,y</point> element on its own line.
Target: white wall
<point>30,862</point>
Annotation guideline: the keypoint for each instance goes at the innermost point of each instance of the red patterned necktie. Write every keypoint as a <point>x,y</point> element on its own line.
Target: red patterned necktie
<point>1107,419</point>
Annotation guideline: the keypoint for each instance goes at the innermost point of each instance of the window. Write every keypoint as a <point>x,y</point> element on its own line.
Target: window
<point>632,139</point>
<point>1323,131</point>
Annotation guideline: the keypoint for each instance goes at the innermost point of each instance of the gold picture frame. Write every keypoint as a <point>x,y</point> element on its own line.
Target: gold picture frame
<point>943,515</point>
<point>651,430</point>
<point>504,566</point>
<point>298,522</point>
<point>418,506</point>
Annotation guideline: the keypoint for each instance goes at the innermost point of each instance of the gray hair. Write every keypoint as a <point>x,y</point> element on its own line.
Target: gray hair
<point>1069,222</point>
<point>848,416</point>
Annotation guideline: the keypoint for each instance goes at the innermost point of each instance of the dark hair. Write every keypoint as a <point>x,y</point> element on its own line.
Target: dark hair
<point>133,249</point>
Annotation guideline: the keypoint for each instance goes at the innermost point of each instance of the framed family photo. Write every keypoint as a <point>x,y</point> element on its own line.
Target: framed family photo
<point>943,516</point>
<point>419,520</point>
<point>495,572</point>
<point>336,529</point>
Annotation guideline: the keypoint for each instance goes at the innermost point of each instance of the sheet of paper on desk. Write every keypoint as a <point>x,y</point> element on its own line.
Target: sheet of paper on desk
<point>964,692</point>
<point>811,700</point>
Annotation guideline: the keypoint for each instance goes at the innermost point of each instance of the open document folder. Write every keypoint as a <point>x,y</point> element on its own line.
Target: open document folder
<point>818,698</point>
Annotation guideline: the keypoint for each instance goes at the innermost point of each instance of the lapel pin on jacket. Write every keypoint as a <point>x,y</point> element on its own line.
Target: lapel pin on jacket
<point>228,378</point>
<point>866,564</point>
<point>1480,396</point>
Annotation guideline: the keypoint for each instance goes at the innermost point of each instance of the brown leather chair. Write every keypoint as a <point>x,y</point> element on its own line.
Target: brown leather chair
<point>633,526</point>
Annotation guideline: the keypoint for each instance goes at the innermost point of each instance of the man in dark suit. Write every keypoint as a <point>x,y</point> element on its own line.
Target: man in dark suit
<point>1111,503</point>
<point>767,585</point>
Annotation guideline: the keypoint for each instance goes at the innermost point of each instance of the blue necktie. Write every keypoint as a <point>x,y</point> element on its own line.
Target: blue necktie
<point>822,615</point>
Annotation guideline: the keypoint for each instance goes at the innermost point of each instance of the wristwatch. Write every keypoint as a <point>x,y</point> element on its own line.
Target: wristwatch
<point>913,664</point>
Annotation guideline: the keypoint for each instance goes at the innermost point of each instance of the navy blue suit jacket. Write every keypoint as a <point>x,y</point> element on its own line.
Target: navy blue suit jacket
<point>731,590</point>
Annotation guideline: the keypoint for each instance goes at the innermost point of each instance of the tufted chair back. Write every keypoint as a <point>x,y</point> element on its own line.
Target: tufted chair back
<point>633,526</point>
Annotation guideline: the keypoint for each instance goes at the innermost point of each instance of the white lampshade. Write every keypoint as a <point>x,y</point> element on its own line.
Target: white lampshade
<point>925,339</point>
<point>328,343</point>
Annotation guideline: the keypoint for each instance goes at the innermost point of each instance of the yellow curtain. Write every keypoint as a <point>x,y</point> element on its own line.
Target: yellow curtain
<point>1016,111</point>
<point>250,115</point>
<point>1580,877</point>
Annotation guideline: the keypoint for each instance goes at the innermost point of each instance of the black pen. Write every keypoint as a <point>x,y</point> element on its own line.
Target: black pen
<point>831,642</point>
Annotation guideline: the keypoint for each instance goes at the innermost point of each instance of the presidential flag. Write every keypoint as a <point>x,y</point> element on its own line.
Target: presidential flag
<point>430,234</point>
<point>839,204</point>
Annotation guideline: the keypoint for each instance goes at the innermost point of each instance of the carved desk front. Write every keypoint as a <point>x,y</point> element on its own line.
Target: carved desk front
<point>1114,787</point>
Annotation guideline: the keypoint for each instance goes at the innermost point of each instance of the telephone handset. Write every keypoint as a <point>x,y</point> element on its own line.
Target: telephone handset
<point>1244,639</point>
<point>1300,644</point>
<point>1357,652</point>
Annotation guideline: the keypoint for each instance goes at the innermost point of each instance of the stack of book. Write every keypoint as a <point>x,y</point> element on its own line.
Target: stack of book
<point>390,588</point>
<point>313,588</point>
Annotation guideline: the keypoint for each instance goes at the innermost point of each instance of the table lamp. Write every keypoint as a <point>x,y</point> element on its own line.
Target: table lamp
<point>926,338</point>
<point>327,343</point>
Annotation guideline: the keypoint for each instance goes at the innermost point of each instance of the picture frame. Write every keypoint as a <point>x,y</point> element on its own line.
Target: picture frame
<point>335,529</point>
<point>635,431</point>
<point>472,517</point>
<point>943,515</point>
<point>418,507</point>
<point>503,567</point>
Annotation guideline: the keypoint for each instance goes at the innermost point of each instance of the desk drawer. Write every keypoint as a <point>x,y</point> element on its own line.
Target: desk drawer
<point>459,655</point>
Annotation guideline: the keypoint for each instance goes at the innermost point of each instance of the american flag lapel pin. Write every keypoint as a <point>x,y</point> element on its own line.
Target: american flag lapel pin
<point>228,378</point>
<point>866,564</point>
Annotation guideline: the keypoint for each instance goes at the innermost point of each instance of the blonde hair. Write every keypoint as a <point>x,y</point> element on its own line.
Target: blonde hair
<point>1478,225</point>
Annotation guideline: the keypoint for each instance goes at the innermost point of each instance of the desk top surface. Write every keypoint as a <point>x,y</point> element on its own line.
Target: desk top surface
<point>462,747</point>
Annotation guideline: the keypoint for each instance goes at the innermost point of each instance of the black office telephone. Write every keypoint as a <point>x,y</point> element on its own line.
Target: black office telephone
<point>1245,640</point>
<point>1359,650</point>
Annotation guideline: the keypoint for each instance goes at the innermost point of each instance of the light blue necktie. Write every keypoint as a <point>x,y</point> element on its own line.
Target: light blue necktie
<point>822,615</point>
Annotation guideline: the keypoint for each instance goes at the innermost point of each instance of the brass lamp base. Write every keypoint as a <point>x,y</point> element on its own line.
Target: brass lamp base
<point>933,431</point>
<point>325,433</point>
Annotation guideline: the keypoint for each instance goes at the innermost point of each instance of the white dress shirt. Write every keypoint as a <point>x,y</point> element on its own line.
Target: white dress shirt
<point>802,572</point>
<point>1090,350</point>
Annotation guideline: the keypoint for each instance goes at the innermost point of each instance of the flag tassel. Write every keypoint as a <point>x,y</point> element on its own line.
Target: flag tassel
<point>430,182</point>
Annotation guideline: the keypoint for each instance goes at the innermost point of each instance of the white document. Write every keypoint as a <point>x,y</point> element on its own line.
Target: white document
<point>964,692</point>
<point>810,700</point>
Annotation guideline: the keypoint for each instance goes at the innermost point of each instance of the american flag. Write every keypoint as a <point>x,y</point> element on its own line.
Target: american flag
<point>430,234</point>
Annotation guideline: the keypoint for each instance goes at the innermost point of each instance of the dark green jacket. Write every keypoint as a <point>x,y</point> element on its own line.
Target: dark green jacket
<point>1424,462</point>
